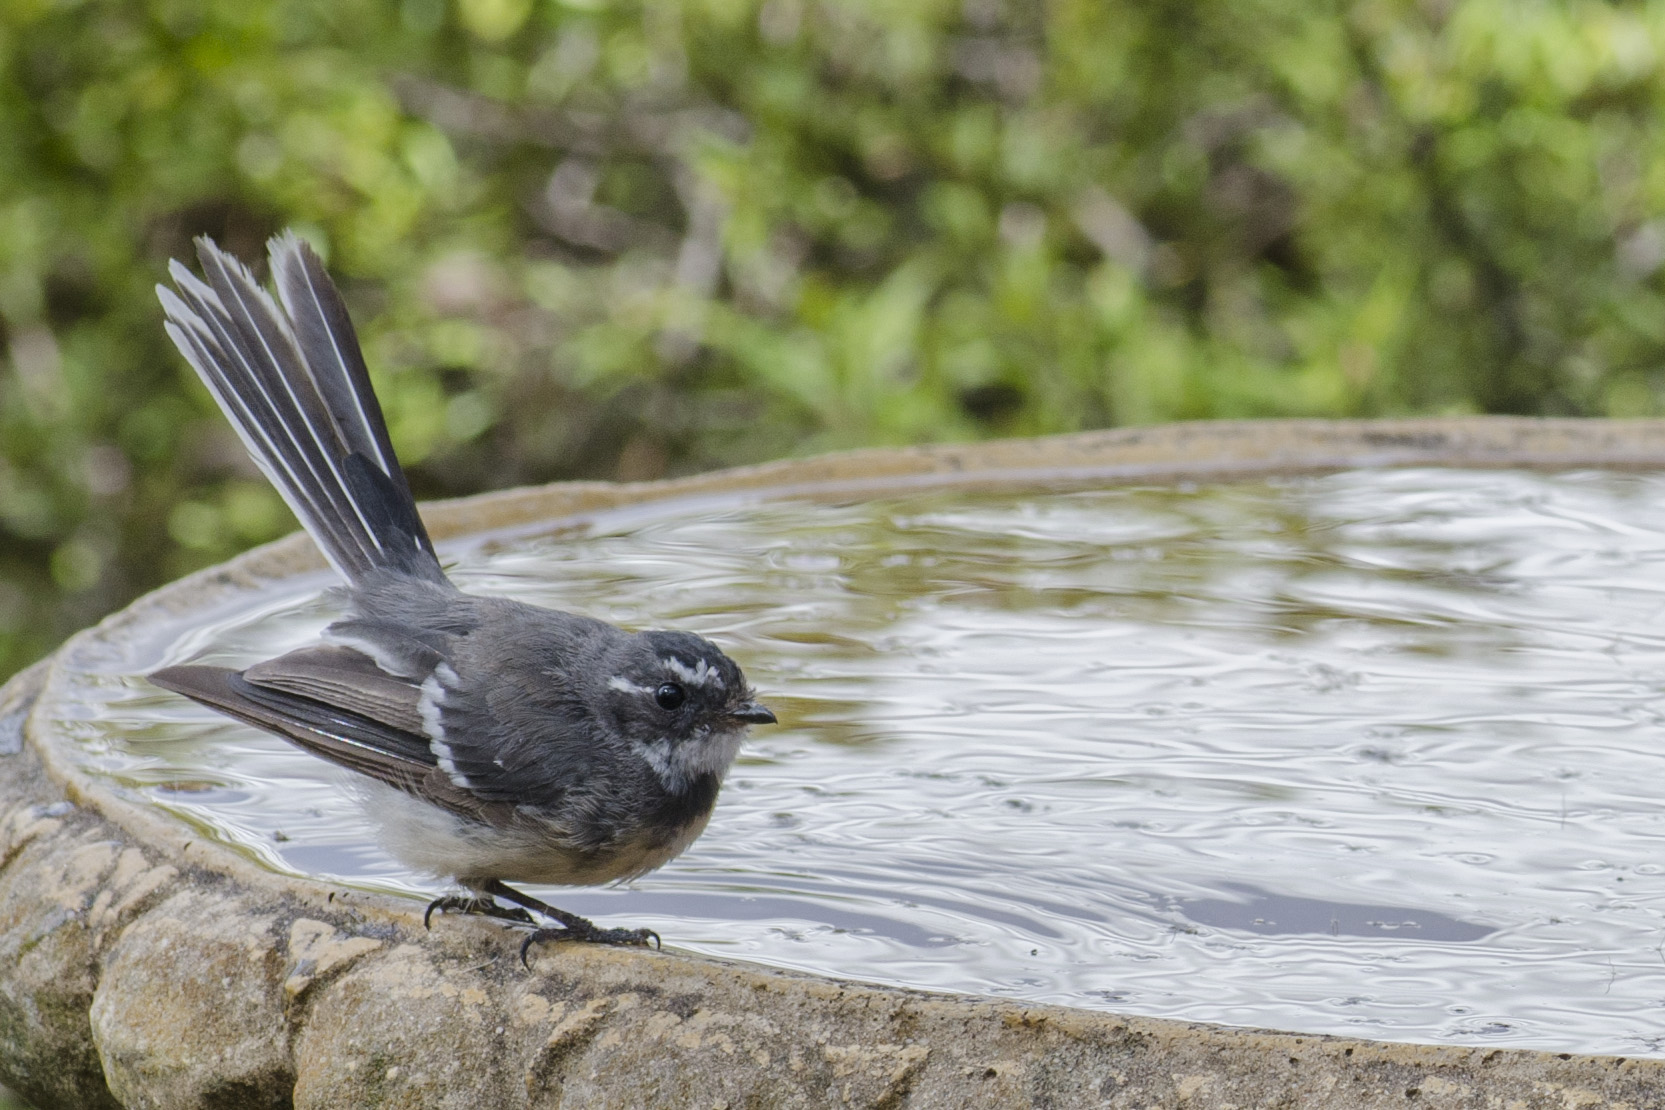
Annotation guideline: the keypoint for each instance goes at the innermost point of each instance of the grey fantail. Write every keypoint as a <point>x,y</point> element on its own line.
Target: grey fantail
<point>498,740</point>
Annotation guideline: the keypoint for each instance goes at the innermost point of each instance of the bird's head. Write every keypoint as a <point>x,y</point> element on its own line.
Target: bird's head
<point>681,704</point>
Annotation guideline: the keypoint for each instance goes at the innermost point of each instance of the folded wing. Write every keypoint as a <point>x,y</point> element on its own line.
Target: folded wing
<point>337,704</point>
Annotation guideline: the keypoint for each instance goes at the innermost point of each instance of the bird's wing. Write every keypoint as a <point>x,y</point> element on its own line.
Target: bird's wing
<point>337,704</point>
<point>346,679</point>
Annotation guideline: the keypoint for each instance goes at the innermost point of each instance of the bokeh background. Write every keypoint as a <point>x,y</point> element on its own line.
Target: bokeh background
<point>627,240</point>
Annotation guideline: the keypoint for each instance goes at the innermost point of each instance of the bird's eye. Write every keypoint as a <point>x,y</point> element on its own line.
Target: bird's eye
<point>670,696</point>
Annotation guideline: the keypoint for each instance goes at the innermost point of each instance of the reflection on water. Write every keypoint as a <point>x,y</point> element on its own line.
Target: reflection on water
<point>1260,911</point>
<point>1375,753</point>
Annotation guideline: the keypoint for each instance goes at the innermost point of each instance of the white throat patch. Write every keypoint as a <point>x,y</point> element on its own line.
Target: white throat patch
<point>678,765</point>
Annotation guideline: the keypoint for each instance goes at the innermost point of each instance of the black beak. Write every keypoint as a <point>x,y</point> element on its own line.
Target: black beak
<point>753,714</point>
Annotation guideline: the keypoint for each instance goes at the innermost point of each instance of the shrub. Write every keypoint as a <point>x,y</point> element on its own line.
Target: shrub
<point>594,239</point>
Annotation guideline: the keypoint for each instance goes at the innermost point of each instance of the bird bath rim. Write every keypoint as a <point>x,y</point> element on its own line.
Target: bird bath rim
<point>1223,451</point>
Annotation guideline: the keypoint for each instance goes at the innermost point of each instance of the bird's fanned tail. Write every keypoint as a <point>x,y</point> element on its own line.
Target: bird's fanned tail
<point>294,385</point>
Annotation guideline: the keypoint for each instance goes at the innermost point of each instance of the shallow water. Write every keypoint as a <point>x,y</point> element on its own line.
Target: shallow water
<point>1378,753</point>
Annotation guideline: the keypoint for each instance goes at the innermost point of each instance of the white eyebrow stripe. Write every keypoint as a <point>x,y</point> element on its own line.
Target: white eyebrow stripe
<point>625,686</point>
<point>701,674</point>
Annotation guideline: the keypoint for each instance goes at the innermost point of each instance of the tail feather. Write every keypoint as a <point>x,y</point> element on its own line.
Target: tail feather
<point>293,384</point>
<point>330,345</point>
<point>247,363</point>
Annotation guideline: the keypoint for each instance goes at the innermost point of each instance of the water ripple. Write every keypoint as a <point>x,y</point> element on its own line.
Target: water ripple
<point>1373,753</point>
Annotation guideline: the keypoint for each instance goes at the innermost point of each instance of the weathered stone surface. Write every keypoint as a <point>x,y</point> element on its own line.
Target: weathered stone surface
<point>413,1028</point>
<point>47,972</point>
<point>189,1017</point>
<point>141,965</point>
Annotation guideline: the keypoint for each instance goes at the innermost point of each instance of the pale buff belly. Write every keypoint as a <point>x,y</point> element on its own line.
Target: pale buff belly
<point>427,838</point>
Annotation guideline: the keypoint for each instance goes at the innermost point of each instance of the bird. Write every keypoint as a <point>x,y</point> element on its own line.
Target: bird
<point>494,741</point>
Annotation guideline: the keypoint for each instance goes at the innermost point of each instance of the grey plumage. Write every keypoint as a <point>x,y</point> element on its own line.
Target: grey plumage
<point>515,742</point>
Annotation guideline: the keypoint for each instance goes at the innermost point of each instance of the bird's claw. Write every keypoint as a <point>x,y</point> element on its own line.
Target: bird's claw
<point>462,903</point>
<point>586,933</point>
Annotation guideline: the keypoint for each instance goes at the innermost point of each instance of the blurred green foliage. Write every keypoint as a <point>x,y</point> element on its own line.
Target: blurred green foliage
<point>626,239</point>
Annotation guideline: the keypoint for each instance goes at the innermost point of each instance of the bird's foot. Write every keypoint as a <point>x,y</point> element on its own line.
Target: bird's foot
<point>566,927</point>
<point>485,907</point>
<point>581,931</point>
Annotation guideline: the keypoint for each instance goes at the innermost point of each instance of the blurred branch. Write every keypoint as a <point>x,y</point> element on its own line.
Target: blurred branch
<point>658,133</point>
<point>698,265</point>
<point>1110,227</point>
<point>566,209</point>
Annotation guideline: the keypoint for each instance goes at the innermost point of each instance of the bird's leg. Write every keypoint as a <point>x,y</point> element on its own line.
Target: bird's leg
<point>485,907</point>
<point>468,903</point>
<point>572,927</point>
